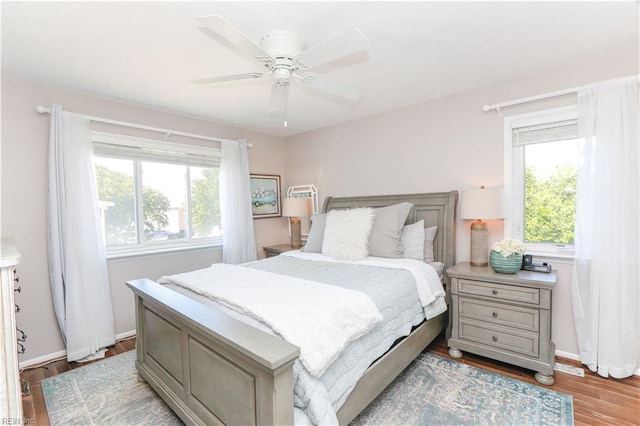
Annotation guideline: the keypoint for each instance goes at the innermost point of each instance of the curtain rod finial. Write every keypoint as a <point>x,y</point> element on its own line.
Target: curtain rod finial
<point>42,110</point>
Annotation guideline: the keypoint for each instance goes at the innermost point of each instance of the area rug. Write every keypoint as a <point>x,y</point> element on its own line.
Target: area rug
<point>431,391</point>
<point>105,393</point>
<point>437,391</point>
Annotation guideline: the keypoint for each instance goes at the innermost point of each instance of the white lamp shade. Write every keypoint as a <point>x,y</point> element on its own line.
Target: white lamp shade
<point>482,203</point>
<point>295,207</point>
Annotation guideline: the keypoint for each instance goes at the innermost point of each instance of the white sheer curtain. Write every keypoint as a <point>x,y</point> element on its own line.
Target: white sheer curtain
<point>238,241</point>
<point>77,261</point>
<point>606,279</point>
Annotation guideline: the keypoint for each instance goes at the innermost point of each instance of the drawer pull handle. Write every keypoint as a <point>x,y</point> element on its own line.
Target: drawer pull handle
<point>494,338</point>
<point>17,279</point>
<point>495,314</point>
<point>494,291</point>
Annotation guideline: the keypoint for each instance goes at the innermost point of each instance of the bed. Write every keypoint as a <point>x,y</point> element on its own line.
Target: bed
<point>212,368</point>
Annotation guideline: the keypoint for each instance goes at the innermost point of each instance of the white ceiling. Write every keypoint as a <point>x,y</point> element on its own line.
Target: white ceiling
<point>144,52</point>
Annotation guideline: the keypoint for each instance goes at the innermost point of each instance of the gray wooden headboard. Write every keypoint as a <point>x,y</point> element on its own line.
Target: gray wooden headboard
<point>436,208</point>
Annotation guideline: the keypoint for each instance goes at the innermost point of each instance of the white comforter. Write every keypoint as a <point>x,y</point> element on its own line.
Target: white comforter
<point>320,319</point>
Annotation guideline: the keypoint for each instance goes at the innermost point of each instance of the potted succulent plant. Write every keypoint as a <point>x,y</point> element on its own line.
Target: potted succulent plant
<point>506,256</point>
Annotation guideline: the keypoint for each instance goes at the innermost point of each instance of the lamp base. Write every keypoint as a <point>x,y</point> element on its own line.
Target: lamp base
<point>296,234</point>
<point>479,243</point>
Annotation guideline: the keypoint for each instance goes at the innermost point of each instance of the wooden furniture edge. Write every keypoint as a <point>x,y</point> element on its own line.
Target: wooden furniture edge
<point>542,280</point>
<point>544,283</point>
<point>267,359</point>
<point>446,201</point>
<point>382,372</point>
<point>174,332</point>
<point>266,349</point>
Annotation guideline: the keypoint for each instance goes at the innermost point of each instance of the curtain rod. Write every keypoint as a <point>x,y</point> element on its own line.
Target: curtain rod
<point>44,110</point>
<point>487,108</point>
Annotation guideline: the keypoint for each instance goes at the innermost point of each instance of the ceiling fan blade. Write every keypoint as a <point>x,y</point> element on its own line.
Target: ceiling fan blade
<point>350,42</point>
<point>221,27</point>
<point>223,78</point>
<point>332,86</point>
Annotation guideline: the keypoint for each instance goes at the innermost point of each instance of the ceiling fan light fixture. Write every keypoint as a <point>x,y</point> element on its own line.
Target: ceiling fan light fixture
<point>282,75</point>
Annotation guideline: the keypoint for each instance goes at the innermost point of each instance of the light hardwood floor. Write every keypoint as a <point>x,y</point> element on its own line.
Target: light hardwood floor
<point>596,401</point>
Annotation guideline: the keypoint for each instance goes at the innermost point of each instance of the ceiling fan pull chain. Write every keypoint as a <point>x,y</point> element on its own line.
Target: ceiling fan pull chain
<point>286,105</point>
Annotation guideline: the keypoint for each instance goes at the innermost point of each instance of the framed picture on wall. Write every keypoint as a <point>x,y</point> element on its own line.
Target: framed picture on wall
<point>265,196</point>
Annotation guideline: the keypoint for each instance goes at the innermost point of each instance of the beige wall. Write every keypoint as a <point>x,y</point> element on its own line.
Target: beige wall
<point>447,144</point>
<point>23,197</point>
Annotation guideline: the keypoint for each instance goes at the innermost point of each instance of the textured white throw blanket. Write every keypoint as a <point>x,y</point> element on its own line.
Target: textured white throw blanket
<point>320,319</point>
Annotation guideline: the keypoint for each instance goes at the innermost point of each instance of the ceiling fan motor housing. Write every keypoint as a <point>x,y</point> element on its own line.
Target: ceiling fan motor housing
<point>284,46</point>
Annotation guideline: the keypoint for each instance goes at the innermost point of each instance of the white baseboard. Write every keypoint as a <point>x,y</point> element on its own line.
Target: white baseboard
<point>42,359</point>
<point>568,355</point>
<point>63,353</point>
<point>576,357</point>
<point>125,335</point>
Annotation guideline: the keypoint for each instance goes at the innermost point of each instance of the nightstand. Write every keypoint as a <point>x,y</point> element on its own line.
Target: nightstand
<point>277,249</point>
<point>506,317</point>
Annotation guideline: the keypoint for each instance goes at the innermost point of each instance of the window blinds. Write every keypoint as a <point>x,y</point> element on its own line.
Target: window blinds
<point>545,132</point>
<point>136,148</point>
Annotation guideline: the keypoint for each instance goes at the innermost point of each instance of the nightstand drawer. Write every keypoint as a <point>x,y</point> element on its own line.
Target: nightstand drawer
<point>510,339</point>
<point>500,314</point>
<point>499,291</point>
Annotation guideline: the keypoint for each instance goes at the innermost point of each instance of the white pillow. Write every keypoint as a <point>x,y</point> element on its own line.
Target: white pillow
<point>412,239</point>
<point>429,237</point>
<point>346,233</point>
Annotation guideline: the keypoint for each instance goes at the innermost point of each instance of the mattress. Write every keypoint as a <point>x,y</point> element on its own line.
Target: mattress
<point>393,291</point>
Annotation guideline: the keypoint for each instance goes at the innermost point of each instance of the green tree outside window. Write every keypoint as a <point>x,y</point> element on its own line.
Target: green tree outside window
<point>550,206</point>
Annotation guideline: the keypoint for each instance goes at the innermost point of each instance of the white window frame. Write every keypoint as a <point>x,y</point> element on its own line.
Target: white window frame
<point>514,179</point>
<point>125,147</point>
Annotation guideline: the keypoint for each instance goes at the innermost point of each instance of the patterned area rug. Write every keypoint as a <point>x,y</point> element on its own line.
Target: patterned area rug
<point>437,391</point>
<point>431,391</point>
<point>105,393</point>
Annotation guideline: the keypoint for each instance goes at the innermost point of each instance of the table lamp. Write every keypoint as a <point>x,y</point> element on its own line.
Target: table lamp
<point>295,208</point>
<point>479,204</point>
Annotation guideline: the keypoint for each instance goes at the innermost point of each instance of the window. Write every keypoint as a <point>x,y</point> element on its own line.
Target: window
<point>155,195</point>
<point>541,153</point>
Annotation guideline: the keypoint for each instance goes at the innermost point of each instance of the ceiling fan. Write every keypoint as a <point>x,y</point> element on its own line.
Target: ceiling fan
<point>285,58</point>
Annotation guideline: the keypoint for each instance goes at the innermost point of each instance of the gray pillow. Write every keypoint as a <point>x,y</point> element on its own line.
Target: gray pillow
<point>429,237</point>
<point>316,234</point>
<point>387,229</point>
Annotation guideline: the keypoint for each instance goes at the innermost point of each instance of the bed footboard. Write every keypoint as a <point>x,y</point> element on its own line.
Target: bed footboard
<point>208,367</point>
